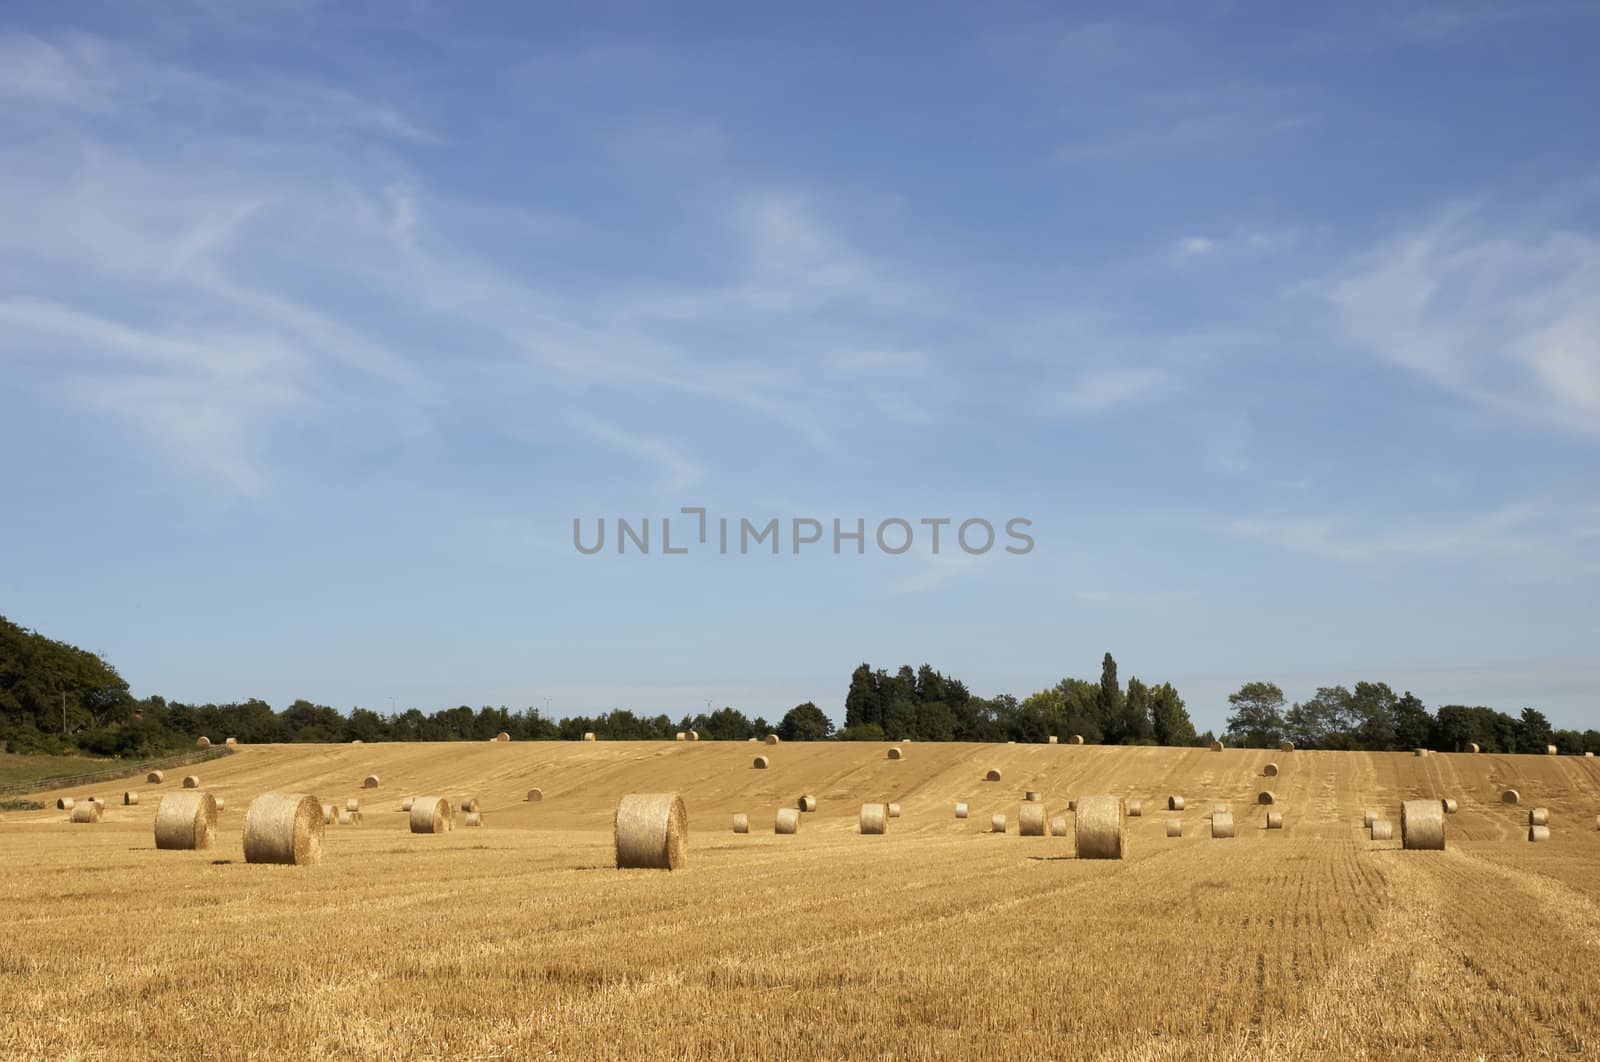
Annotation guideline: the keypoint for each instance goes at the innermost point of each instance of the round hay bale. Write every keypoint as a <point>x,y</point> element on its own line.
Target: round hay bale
<point>1266,798</point>
<point>1174,803</point>
<point>895,753</point>
<point>1221,809</point>
<point>1419,752</point>
<point>1135,809</point>
<point>87,811</point>
<point>405,805</point>
<point>369,782</point>
<point>1270,771</point>
<point>430,814</point>
<point>741,823</point>
<point>1032,820</point>
<point>1077,739</point>
<point>1511,796</point>
<point>772,739</point>
<point>1382,830</point>
<point>347,817</point>
<point>894,810</point>
<point>357,741</point>
<point>1221,825</point>
<point>997,823</point>
<point>1053,739</point>
<point>588,735</point>
<point>1370,816</point>
<point>1101,829</point>
<point>694,735</point>
<point>221,805</point>
<point>1033,796</point>
<point>961,811</point>
<point>753,741</point>
<point>1538,833</point>
<point>330,814</point>
<point>535,795</point>
<point>1472,746</point>
<point>1538,816</point>
<point>231,741</point>
<point>1285,746</point>
<point>203,742</point>
<point>992,774</point>
<point>807,802</point>
<point>65,803</point>
<point>502,736</point>
<point>155,778</point>
<point>1058,826</point>
<point>129,799</point>
<point>680,736</point>
<point>874,818</point>
<point>1216,746</point>
<point>1274,820</point>
<point>1551,750</point>
<point>283,828</point>
<point>1174,827</point>
<point>352,804</point>
<point>760,763</point>
<point>1588,755</point>
<point>1449,805</point>
<point>788,821</point>
<point>191,781</point>
<point>474,818</point>
<point>468,804</point>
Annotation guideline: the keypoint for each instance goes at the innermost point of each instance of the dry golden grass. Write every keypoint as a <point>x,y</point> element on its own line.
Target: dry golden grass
<point>1272,945</point>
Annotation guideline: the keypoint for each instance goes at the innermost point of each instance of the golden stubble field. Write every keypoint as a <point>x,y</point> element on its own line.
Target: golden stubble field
<point>520,939</point>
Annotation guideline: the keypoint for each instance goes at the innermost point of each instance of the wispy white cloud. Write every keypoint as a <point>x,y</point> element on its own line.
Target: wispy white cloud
<point>1096,392</point>
<point>1522,529</point>
<point>201,397</point>
<point>677,471</point>
<point>1500,314</point>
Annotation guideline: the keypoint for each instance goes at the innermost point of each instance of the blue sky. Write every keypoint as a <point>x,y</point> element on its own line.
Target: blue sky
<point>319,325</point>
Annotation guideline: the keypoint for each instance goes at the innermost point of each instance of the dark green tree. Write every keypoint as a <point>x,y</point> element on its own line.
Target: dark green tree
<point>1413,725</point>
<point>1257,721</point>
<point>864,701</point>
<point>1109,702</point>
<point>805,722</point>
<point>1169,718</point>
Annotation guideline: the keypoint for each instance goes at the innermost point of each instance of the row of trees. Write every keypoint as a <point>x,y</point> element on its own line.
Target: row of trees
<point>1372,716</point>
<point>929,706</point>
<point>55,697</point>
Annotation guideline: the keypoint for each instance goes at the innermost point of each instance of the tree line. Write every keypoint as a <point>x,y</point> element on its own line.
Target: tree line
<point>928,706</point>
<point>1372,716</point>
<point>58,698</point>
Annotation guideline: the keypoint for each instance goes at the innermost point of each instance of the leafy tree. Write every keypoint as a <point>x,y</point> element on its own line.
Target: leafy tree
<point>864,702</point>
<point>727,724</point>
<point>1169,718</point>
<point>1413,726</point>
<point>1373,704</point>
<point>862,732</point>
<point>935,722</point>
<point>1109,702</point>
<point>805,722</point>
<point>1134,725</point>
<point>900,718</point>
<point>1322,722</point>
<point>1533,731</point>
<point>1257,720</point>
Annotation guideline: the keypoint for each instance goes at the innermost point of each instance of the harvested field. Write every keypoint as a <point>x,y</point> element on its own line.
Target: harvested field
<point>1291,935</point>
